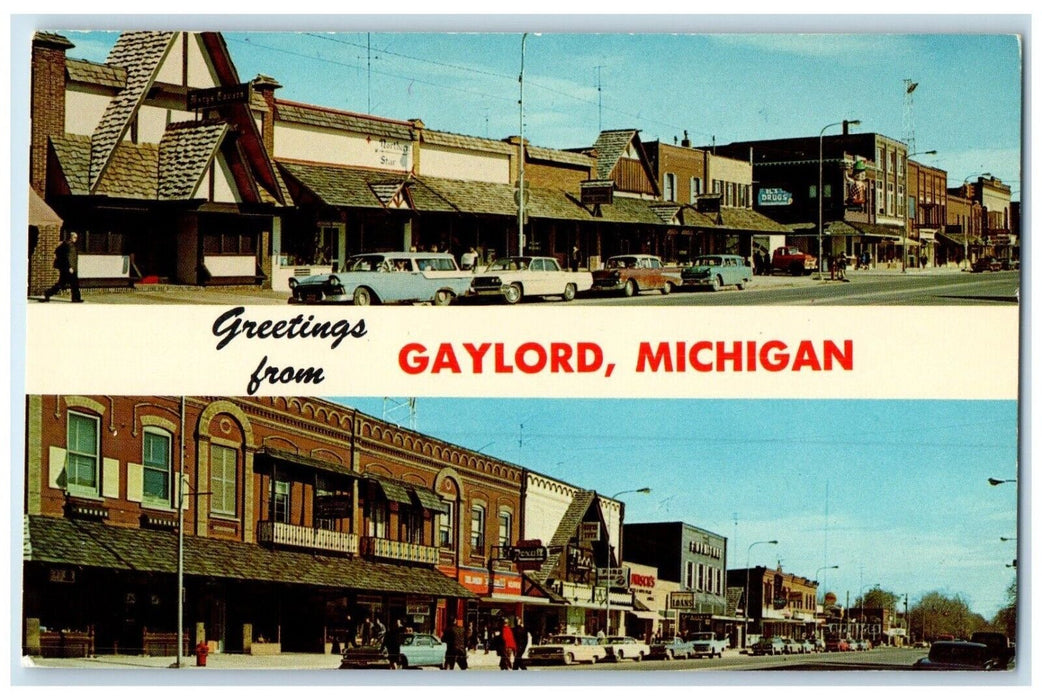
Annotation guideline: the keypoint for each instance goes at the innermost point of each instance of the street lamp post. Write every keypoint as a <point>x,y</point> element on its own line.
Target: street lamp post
<point>521,157</point>
<point>821,167</point>
<point>748,553</point>
<point>824,568</point>
<point>607,590</point>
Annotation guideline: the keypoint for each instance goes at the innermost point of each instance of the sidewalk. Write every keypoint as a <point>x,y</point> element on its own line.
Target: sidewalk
<point>477,660</point>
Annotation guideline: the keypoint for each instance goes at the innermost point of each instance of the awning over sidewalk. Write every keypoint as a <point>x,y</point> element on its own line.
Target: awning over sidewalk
<point>92,544</point>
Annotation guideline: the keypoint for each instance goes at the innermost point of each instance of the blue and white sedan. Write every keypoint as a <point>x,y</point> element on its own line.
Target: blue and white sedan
<point>417,650</point>
<point>717,271</point>
<point>386,278</point>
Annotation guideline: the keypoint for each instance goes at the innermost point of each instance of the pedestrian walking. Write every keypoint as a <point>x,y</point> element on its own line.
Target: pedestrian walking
<point>575,259</point>
<point>393,644</point>
<point>521,639</point>
<point>455,646</point>
<point>507,647</point>
<point>350,633</point>
<point>379,632</point>
<point>841,268</point>
<point>367,632</point>
<point>66,262</point>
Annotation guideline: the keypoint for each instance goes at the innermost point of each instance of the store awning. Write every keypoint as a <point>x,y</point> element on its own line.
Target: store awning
<point>40,214</point>
<point>426,498</point>
<point>645,614</point>
<point>304,460</point>
<point>86,543</point>
<point>392,490</point>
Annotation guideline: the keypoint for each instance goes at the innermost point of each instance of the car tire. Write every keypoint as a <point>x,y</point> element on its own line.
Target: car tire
<point>569,292</point>
<point>569,659</point>
<point>443,297</point>
<point>717,283</point>
<point>630,289</point>
<point>671,655</point>
<point>741,285</point>
<point>513,294</point>
<point>796,269</point>
<point>667,288</point>
<point>362,296</point>
<point>403,662</point>
<point>640,657</point>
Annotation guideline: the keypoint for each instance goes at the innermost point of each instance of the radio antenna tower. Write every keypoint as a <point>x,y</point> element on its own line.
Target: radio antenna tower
<point>396,406</point>
<point>909,115</point>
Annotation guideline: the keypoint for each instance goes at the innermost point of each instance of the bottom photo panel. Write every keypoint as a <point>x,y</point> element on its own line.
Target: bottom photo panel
<point>489,534</point>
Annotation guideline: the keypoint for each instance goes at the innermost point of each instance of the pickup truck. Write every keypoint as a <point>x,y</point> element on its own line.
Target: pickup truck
<point>792,260</point>
<point>706,644</point>
<point>515,277</point>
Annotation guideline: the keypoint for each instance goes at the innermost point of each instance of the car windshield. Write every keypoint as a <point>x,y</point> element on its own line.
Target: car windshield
<point>511,264</point>
<point>364,263</point>
<point>564,639</point>
<point>958,654</point>
<point>708,262</point>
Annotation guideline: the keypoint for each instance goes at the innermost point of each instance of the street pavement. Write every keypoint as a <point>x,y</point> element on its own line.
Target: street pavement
<point>181,294</point>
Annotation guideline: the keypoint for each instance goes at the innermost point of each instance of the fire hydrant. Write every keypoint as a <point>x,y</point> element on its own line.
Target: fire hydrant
<point>201,650</point>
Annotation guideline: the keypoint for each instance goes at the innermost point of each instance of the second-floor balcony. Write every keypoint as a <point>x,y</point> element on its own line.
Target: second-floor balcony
<point>402,551</point>
<point>276,533</point>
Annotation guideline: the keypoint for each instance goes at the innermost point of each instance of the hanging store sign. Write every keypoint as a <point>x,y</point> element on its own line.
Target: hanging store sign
<point>681,600</point>
<point>773,197</point>
<point>216,97</point>
<point>589,532</point>
<point>333,507</point>
<point>615,576</point>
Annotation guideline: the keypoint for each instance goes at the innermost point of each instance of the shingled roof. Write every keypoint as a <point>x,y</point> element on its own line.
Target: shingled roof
<point>339,186</point>
<point>185,154</point>
<point>344,121</point>
<point>96,74</point>
<point>609,148</point>
<point>469,143</point>
<point>567,529</point>
<point>140,54</point>
<point>91,544</point>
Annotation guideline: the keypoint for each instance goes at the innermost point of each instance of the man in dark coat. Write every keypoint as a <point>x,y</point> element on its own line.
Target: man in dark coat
<point>455,646</point>
<point>521,640</point>
<point>393,643</point>
<point>66,262</point>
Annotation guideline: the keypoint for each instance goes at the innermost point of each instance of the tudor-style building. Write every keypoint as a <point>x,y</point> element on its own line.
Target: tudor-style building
<point>153,158</point>
<point>296,513</point>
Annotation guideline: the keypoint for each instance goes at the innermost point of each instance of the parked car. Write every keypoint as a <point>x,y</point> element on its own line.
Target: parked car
<point>860,645</point>
<point>706,644</point>
<point>417,650</point>
<point>998,646</point>
<point>385,278</point>
<point>620,648</point>
<point>837,645</point>
<point>566,649</point>
<point>807,646</point>
<point>794,261</point>
<point>768,646</point>
<point>632,274</point>
<point>716,271</point>
<point>957,656</point>
<point>791,646</point>
<point>515,277</point>
<point>674,648</point>
<point>987,264</point>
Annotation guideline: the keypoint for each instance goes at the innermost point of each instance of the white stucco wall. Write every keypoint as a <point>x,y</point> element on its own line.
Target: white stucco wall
<point>224,189</point>
<point>465,165</point>
<point>83,111</point>
<point>546,501</point>
<point>299,142</point>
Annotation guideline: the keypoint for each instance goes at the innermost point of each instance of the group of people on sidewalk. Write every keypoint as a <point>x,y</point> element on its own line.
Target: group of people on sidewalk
<point>509,642</point>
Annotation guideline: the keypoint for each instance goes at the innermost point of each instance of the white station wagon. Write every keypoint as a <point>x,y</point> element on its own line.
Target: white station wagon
<point>520,276</point>
<point>567,649</point>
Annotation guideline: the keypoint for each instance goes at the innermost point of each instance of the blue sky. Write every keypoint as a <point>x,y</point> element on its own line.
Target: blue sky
<point>908,502</point>
<point>725,86</point>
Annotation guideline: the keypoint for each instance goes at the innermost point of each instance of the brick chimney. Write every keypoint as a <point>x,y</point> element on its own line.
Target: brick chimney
<point>266,87</point>
<point>46,103</point>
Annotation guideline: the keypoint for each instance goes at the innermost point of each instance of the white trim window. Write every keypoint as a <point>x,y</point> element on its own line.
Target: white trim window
<point>506,527</point>
<point>689,576</point>
<point>155,458</point>
<point>83,443</point>
<point>378,518</point>
<point>669,187</point>
<point>477,529</point>
<point>446,527</point>
<point>696,188</point>
<point>280,502</point>
<point>224,469</point>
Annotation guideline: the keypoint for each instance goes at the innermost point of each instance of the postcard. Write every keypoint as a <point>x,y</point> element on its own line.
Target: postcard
<point>727,349</point>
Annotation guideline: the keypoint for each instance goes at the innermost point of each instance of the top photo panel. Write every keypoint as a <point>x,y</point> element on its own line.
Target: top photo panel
<point>503,168</point>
